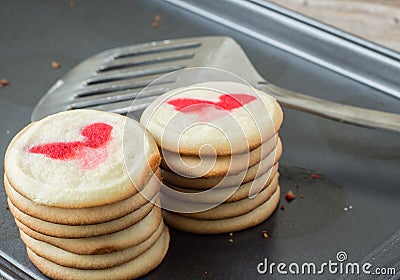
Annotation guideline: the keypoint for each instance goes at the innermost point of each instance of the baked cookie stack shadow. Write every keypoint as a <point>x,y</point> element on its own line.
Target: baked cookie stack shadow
<point>220,151</point>
<point>83,187</point>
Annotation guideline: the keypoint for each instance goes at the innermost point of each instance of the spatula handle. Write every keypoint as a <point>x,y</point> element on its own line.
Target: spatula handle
<point>332,110</point>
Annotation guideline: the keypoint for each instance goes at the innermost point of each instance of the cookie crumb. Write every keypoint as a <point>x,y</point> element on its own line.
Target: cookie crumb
<point>264,234</point>
<point>55,64</point>
<point>289,196</point>
<point>314,176</point>
<point>301,196</point>
<point>3,83</point>
<point>2,222</point>
<point>72,4</point>
<point>231,234</point>
<point>230,240</point>
<point>282,207</point>
<point>205,272</point>
<point>156,21</point>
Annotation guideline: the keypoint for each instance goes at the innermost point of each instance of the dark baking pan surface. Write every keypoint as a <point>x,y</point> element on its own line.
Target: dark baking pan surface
<point>352,207</point>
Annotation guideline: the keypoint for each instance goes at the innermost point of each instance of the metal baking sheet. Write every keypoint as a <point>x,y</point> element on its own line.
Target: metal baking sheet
<point>353,207</point>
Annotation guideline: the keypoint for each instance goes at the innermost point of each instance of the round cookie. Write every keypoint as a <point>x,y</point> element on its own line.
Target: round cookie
<point>68,259</point>
<point>221,115</point>
<point>196,166</point>
<point>224,210</point>
<point>102,244</point>
<point>81,158</point>
<point>67,231</point>
<point>245,221</point>
<point>225,181</point>
<point>134,268</point>
<point>88,215</point>
<point>230,194</point>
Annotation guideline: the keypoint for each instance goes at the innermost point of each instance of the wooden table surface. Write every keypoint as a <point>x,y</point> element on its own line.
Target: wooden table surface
<point>375,20</point>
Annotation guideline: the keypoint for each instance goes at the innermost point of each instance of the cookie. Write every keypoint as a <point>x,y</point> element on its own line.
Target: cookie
<point>68,259</point>
<point>196,166</point>
<point>88,215</point>
<point>217,195</point>
<point>225,181</point>
<point>216,118</point>
<point>81,158</point>
<point>134,268</point>
<point>67,231</point>
<point>102,244</point>
<point>253,218</point>
<point>224,210</point>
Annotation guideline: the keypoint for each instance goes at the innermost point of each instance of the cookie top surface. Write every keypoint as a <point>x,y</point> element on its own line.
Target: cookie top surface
<point>81,158</point>
<point>215,118</point>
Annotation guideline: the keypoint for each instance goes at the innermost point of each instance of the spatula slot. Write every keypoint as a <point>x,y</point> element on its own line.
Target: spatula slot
<point>128,74</point>
<point>161,49</point>
<point>131,63</point>
<point>126,85</point>
<point>118,96</point>
<point>123,107</point>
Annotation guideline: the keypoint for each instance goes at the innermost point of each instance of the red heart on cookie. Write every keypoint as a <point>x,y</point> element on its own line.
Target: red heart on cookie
<point>208,110</point>
<point>89,153</point>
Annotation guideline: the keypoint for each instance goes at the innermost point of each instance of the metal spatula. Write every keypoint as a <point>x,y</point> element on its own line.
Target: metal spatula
<point>110,81</point>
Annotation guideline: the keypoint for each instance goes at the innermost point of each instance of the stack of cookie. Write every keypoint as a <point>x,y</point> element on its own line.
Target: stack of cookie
<point>83,188</point>
<point>220,149</point>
